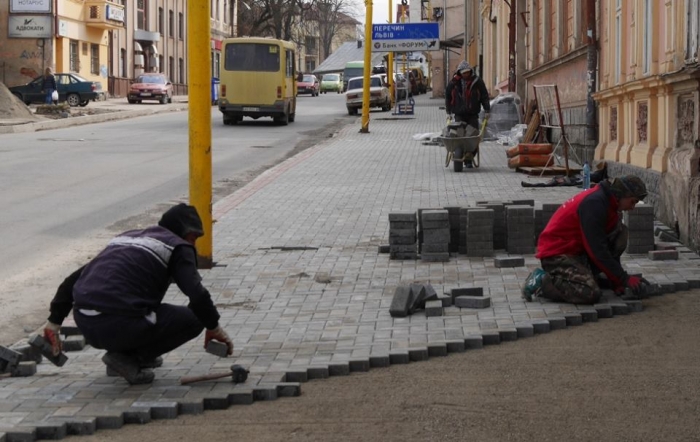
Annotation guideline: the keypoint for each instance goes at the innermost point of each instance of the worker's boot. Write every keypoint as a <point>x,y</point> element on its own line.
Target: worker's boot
<point>128,368</point>
<point>143,363</point>
<point>533,285</point>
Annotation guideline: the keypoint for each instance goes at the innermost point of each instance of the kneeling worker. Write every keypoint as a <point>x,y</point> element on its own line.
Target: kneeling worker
<point>117,297</point>
<point>585,237</point>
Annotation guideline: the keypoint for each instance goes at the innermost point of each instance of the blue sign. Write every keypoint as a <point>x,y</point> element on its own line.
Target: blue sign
<point>405,37</point>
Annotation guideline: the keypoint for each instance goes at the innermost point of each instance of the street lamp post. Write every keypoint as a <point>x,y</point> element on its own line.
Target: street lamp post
<point>368,61</point>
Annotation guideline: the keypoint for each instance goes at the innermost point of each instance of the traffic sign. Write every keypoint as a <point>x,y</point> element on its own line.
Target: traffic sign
<point>405,37</point>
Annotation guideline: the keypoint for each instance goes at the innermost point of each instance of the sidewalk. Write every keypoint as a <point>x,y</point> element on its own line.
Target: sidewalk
<point>111,109</point>
<point>303,292</point>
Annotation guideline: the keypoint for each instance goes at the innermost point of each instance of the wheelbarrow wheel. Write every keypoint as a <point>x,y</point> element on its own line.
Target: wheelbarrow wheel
<point>458,165</point>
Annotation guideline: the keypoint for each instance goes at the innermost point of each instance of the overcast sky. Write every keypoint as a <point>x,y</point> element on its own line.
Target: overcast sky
<point>380,10</point>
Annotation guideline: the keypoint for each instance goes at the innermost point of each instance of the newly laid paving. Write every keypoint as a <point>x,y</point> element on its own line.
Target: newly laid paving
<point>304,293</point>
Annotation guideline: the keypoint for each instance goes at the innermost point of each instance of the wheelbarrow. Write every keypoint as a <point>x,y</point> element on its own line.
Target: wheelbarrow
<point>462,144</point>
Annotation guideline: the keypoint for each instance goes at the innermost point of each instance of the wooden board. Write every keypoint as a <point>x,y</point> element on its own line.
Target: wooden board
<point>552,170</point>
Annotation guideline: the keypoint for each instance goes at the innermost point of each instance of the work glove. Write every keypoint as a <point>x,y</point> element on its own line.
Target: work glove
<point>486,115</point>
<point>53,337</point>
<point>632,287</point>
<point>218,334</point>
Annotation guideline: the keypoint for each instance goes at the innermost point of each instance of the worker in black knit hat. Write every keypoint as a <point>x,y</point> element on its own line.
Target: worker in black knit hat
<point>117,298</point>
<point>585,237</point>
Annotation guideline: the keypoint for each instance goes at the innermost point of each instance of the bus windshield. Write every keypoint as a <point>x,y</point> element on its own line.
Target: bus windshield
<point>256,57</point>
<point>354,72</point>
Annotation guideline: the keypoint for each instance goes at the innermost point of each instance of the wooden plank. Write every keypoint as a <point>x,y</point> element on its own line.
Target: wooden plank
<point>553,170</point>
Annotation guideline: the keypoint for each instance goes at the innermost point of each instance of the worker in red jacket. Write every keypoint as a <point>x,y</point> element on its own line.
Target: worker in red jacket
<point>585,237</point>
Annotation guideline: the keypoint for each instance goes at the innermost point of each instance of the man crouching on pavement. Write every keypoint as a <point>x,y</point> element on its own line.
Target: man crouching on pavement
<point>585,237</point>
<point>117,297</point>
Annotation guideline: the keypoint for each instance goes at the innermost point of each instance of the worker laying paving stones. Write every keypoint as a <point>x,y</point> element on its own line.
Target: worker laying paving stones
<point>117,297</point>
<point>585,237</point>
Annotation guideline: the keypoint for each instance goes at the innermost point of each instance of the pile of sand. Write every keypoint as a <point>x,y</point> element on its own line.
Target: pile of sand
<point>11,107</point>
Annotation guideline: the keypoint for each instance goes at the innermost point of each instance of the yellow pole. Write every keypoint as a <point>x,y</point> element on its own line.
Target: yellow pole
<point>199,76</point>
<point>390,67</point>
<point>368,67</point>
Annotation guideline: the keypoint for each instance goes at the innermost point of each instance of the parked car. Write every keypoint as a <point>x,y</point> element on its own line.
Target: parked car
<point>152,86</point>
<point>399,85</point>
<point>378,94</point>
<point>421,80</point>
<point>331,83</point>
<point>308,84</point>
<point>72,88</point>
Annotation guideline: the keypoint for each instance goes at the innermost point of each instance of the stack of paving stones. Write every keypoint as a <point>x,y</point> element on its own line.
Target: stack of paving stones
<point>479,234</point>
<point>520,226</point>
<point>402,235</point>
<point>542,217</point>
<point>499,221</point>
<point>462,240</point>
<point>453,213</point>
<point>435,227</point>
<point>640,225</point>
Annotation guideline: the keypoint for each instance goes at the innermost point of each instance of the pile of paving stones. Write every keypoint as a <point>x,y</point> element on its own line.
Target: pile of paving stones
<point>409,298</point>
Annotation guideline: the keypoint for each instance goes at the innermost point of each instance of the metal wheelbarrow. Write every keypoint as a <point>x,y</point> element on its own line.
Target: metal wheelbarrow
<point>460,147</point>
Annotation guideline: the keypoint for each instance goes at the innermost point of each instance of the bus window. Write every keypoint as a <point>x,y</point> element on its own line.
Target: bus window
<point>290,63</point>
<point>256,57</point>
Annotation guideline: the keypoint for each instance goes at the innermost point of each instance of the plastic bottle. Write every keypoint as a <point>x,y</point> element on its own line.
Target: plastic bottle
<point>586,173</point>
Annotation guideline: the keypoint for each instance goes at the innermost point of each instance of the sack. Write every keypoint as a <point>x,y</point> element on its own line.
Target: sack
<point>529,149</point>
<point>530,161</point>
<point>54,95</point>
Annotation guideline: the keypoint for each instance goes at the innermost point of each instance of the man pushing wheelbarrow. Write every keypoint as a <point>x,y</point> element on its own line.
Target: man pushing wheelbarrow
<point>465,95</point>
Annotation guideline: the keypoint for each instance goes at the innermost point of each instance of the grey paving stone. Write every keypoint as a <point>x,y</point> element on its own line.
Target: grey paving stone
<point>603,310</point>
<point>160,410</point>
<point>403,216</point>
<point>663,255</point>
<point>288,389</point>
<point>525,330</point>
<point>216,402</point>
<point>296,376</point>
<point>694,283</point>
<point>476,342</point>
<point>399,357</point>
<point>74,343</point>
<point>379,361</point>
<point>359,365</point>
<point>490,337</point>
<point>437,350</point>
<point>318,372</point>
<point>589,315</point>
<point>401,302</point>
<point>475,302</point>
<point>541,327</point>
<point>51,431</point>
<point>265,393</point>
<point>191,407</point>
<point>70,330</point>
<point>573,319</point>
<point>241,397</point>
<point>635,306</point>
<point>620,308</point>
<point>28,352</point>
<point>508,334</point>
<point>81,427</point>
<point>667,287</point>
<point>681,285</point>
<point>10,356</point>
<point>418,354</point>
<point>557,323</point>
<point>435,257</point>
<point>138,415</point>
<point>433,308</point>
<point>109,421</point>
<point>503,262</point>
<point>24,369</point>
<point>383,248</point>
<point>338,369</point>
<point>455,346</point>
<point>466,291</point>
<point>445,300</point>
<point>19,434</point>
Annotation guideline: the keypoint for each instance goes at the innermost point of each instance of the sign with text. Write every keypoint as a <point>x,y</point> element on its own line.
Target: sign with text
<point>30,26</point>
<point>33,6</point>
<point>114,13</point>
<point>405,37</point>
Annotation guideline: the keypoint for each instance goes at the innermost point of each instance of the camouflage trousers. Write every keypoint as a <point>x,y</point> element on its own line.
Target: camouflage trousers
<point>573,278</point>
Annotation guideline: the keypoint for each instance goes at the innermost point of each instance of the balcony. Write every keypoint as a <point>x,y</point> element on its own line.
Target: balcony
<point>104,14</point>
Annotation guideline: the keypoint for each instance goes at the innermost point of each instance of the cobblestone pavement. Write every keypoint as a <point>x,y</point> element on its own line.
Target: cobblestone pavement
<point>304,293</point>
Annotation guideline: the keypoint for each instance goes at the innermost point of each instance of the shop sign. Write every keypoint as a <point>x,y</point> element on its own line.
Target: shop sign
<point>33,6</point>
<point>116,14</point>
<point>30,26</point>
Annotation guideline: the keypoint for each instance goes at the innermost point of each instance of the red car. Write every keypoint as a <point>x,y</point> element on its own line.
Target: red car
<point>308,84</point>
<point>151,86</point>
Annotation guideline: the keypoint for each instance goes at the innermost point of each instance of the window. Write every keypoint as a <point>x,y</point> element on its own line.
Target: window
<point>85,49</point>
<point>171,67</point>
<point>95,59</point>
<point>171,24</point>
<point>122,63</point>
<point>160,21</point>
<point>226,11</point>
<point>161,64</point>
<point>216,65</point>
<point>180,25</point>
<point>252,57</point>
<point>217,10</point>
<point>181,66</point>
<point>142,14</point>
<point>211,8</point>
<point>74,57</point>
<point>310,43</point>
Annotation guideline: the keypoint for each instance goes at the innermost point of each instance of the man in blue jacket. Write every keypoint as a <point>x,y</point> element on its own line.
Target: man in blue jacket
<point>117,297</point>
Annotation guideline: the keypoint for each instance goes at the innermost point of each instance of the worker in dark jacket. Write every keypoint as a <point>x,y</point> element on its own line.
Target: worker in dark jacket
<point>465,95</point>
<point>584,238</point>
<point>48,85</point>
<point>117,297</point>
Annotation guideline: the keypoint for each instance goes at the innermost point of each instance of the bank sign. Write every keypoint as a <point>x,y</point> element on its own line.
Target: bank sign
<point>32,6</point>
<point>30,26</point>
<point>405,37</point>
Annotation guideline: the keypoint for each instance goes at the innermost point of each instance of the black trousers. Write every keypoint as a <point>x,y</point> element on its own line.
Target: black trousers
<point>136,336</point>
<point>471,120</point>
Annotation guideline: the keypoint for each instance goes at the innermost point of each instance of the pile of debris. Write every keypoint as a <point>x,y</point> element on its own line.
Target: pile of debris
<point>12,108</point>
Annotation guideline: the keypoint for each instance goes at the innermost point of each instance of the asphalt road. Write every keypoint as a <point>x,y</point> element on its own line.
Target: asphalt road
<point>64,192</point>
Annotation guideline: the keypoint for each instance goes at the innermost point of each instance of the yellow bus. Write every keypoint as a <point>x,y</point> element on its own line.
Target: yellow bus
<point>257,79</point>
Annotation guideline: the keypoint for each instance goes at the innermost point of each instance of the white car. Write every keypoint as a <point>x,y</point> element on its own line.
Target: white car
<point>378,94</point>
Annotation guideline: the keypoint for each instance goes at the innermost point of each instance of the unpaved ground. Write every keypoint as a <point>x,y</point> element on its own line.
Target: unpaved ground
<point>11,107</point>
<point>632,378</point>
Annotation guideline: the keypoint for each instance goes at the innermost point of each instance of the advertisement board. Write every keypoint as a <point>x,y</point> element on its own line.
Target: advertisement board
<point>30,26</point>
<point>31,6</point>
